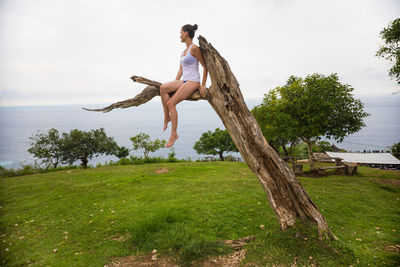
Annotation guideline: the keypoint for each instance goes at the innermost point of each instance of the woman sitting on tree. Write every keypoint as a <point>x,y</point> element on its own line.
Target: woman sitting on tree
<point>189,69</point>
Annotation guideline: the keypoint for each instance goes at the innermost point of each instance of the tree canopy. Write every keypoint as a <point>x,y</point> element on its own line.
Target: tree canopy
<point>81,145</point>
<point>215,143</point>
<point>311,108</point>
<point>142,141</point>
<point>391,49</point>
<point>54,149</point>
<point>48,147</point>
<point>122,152</point>
<point>395,149</point>
<point>278,127</point>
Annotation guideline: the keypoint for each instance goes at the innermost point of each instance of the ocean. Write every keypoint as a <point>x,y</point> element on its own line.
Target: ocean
<point>17,124</point>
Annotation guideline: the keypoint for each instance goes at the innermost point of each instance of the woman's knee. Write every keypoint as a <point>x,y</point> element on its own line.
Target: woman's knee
<point>171,103</point>
<point>162,88</point>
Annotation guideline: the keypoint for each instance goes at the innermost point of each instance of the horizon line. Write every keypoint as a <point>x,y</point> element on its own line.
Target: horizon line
<point>393,94</point>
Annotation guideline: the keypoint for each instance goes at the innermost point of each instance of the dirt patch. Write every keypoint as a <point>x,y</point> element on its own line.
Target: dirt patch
<point>164,170</point>
<point>231,260</point>
<point>394,182</point>
<point>395,248</point>
<point>153,259</point>
<point>142,260</point>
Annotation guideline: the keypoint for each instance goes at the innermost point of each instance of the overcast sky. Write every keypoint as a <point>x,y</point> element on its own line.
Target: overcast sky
<point>83,52</point>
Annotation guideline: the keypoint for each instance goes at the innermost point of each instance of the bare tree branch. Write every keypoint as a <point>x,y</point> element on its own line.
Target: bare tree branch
<point>148,93</point>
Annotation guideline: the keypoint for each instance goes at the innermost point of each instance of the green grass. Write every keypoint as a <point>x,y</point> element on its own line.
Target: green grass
<point>92,216</point>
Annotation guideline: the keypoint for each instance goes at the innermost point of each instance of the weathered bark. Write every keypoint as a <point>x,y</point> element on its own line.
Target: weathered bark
<point>148,93</point>
<point>285,193</point>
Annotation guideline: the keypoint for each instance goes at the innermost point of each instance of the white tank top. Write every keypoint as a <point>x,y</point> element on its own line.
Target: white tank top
<point>190,67</point>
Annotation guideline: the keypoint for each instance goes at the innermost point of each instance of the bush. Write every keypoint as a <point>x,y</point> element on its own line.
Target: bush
<point>154,159</point>
<point>230,158</point>
<point>136,160</point>
<point>124,161</point>
<point>171,156</point>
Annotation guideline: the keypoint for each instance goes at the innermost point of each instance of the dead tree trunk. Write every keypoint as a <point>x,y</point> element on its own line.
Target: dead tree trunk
<point>285,193</point>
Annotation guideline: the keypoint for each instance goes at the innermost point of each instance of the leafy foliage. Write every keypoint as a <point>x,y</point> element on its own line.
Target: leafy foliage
<point>278,127</point>
<point>308,109</point>
<point>323,146</point>
<point>391,49</point>
<point>48,147</point>
<point>322,106</point>
<point>215,143</point>
<point>122,152</point>
<point>395,149</point>
<point>81,145</point>
<point>142,141</point>
<point>76,145</point>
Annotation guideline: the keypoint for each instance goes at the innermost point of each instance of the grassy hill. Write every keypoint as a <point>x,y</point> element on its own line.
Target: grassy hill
<point>90,217</point>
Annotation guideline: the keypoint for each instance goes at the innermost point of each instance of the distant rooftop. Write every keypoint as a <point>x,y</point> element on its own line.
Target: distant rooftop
<point>367,158</point>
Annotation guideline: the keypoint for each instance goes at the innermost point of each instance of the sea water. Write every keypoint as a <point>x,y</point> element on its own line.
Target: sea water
<point>17,124</point>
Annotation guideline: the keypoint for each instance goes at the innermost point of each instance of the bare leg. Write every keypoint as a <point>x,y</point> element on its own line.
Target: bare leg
<point>174,118</point>
<point>164,99</point>
<point>184,91</point>
<point>164,90</point>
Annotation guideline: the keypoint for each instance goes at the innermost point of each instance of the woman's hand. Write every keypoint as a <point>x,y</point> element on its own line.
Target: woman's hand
<point>202,90</point>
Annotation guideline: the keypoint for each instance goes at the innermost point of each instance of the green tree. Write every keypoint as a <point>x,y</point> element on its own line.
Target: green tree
<point>122,152</point>
<point>391,49</point>
<point>142,141</point>
<point>321,106</point>
<point>48,147</point>
<point>277,126</point>
<point>215,143</point>
<point>323,146</point>
<point>395,149</point>
<point>81,145</point>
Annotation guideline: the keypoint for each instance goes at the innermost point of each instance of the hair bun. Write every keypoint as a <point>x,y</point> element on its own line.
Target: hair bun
<point>195,26</point>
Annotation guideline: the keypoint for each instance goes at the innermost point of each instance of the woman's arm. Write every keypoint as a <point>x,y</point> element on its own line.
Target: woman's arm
<point>199,56</point>
<point>179,74</point>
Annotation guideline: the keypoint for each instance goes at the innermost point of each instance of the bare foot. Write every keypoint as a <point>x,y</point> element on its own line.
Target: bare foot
<point>171,140</point>
<point>166,120</point>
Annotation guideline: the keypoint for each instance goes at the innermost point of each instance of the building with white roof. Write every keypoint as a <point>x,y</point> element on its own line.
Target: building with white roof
<point>371,159</point>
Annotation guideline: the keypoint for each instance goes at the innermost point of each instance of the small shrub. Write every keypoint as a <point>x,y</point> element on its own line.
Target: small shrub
<point>229,158</point>
<point>153,159</point>
<point>171,156</point>
<point>136,160</point>
<point>124,161</point>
